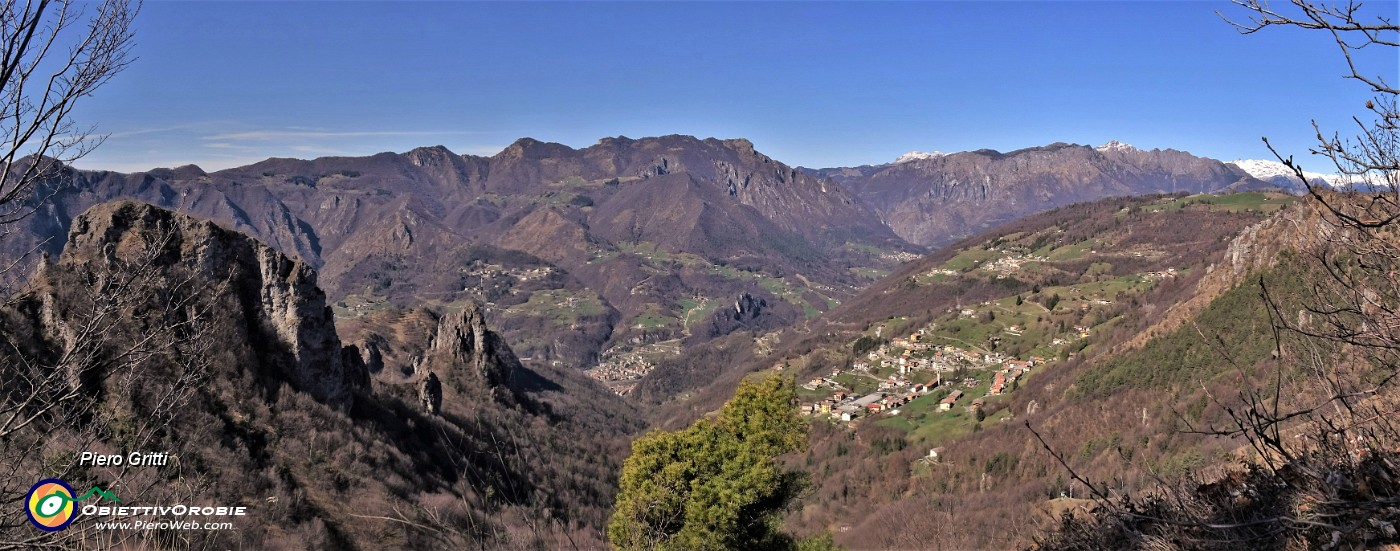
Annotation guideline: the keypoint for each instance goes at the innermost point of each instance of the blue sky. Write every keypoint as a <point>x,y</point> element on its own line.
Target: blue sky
<point>812,84</point>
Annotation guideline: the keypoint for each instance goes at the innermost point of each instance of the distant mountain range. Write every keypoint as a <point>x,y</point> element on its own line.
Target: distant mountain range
<point>635,241</point>
<point>629,249</point>
<point>934,198</point>
<point>1279,175</point>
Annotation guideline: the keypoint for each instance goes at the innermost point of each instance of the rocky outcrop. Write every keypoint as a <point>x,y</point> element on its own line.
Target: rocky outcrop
<point>1299,227</point>
<point>474,359</point>
<point>747,307</point>
<point>748,312</point>
<point>357,374</point>
<point>274,298</point>
<point>430,393</point>
<point>371,352</point>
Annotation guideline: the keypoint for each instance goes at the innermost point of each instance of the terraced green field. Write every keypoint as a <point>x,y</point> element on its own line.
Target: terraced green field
<point>1234,202</point>
<point>969,259</point>
<point>562,306</point>
<point>870,273</point>
<point>1073,251</point>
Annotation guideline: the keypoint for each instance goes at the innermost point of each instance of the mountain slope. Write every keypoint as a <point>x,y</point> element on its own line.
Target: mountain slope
<point>933,199</point>
<point>1017,318</point>
<point>205,344</point>
<point>715,219</point>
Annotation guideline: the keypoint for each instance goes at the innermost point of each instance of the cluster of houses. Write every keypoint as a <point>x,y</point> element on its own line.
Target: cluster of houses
<point>1005,379</point>
<point>620,373</point>
<point>485,271</point>
<point>355,306</point>
<point>943,358</point>
<point>1080,332</point>
<point>1171,272</point>
<point>1004,266</point>
<point>536,273</point>
<point>898,389</point>
<point>849,408</point>
<point>898,256</point>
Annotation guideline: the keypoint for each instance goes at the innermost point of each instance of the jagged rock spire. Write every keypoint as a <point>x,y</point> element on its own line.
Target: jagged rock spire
<point>470,357</point>
<point>430,393</point>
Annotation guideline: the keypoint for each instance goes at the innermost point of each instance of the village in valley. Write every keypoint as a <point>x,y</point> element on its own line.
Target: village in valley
<point>941,376</point>
<point>951,372</point>
<point>954,374</point>
<point>913,373</point>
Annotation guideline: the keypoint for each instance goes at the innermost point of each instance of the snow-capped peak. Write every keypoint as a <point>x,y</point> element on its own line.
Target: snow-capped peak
<point>1267,170</point>
<point>1115,145</point>
<point>918,156</point>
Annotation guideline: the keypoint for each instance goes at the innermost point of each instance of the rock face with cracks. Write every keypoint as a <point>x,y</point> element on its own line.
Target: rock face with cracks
<point>276,297</point>
<point>471,357</point>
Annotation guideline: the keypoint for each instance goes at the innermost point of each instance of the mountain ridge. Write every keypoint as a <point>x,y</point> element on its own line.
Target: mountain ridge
<point>1278,174</point>
<point>934,199</point>
<point>650,234</point>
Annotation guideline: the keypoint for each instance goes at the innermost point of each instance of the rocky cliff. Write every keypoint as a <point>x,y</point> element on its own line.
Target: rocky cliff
<point>1299,229</point>
<point>274,299</point>
<point>158,331</point>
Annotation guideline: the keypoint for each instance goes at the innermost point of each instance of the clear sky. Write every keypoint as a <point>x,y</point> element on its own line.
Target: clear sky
<point>812,84</point>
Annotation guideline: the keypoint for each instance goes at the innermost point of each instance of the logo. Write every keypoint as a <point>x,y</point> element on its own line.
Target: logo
<point>50,503</point>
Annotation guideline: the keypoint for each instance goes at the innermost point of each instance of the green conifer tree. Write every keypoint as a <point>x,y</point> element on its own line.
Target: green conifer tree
<point>716,484</point>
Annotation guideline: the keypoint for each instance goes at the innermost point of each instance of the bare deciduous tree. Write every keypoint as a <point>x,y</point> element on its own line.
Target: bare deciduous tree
<point>1324,451</point>
<point>120,342</point>
<point>52,54</point>
<point>1349,327</point>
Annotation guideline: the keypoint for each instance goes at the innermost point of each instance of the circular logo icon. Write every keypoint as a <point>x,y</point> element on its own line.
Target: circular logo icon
<point>50,505</point>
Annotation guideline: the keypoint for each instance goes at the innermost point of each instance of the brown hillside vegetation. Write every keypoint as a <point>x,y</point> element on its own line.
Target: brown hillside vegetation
<point>1116,415</point>
<point>1321,446</point>
<point>1189,238</point>
<point>1119,419</point>
<point>652,234</point>
<point>1255,249</point>
<point>160,332</point>
<point>1315,436</point>
<point>1163,424</point>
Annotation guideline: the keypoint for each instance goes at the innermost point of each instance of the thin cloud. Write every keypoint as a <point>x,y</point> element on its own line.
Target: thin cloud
<point>191,127</point>
<point>209,164</point>
<point>324,134</point>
